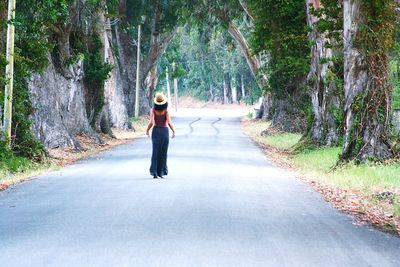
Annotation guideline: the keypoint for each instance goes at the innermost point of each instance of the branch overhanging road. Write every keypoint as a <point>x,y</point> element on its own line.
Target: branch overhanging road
<point>223,204</point>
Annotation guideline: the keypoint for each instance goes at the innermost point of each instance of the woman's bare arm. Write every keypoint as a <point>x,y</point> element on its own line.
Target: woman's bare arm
<point>151,123</point>
<point>170,124</point>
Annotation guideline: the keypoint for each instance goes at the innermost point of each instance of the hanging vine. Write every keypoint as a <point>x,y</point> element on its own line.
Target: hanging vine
<point>371,109</point>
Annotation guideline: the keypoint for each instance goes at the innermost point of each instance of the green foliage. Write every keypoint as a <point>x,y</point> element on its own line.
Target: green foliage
<point>112,8</point>
<point>396,96</point>
<point>210,12</point>
<point>395,69</point>
<point>32,44</point>
<point>166,10</point>
<point>395,73</point>
<point>34,22</point>
<point>280,28</point>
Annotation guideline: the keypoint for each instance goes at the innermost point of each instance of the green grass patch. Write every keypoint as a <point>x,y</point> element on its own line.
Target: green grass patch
<point>282,141</point>
<point>321,160</point>
<point>366,178</point>
<point>15,166</point>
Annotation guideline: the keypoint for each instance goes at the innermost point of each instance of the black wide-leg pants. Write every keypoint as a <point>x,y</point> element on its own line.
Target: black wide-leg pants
<point>160,140</point>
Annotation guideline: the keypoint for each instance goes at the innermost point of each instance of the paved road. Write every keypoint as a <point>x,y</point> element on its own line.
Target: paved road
<point>223,204</point>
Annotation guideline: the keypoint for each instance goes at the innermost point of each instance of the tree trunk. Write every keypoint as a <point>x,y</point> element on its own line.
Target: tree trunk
<point>323,130</point>
<point>246,9</point>
<point>122,7</point>
<point>3,17</point>
<point>62,34</point>
<point>225,97</point>
<point>228,88</point>
<point>156,51</point>
<point>252,61</point>
<point>113,87</point>
<point>367,106</point>
<point>234,90</point>
<point>102,122</point>
<point>267,106</point>
<point>242,87</point>
<point>151,84</point>
<point>287,116</point>
<point>60,111</point>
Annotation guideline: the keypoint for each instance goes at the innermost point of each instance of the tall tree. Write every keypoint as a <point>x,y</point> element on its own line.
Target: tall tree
<point>324,78</point>
<point>369,28</point>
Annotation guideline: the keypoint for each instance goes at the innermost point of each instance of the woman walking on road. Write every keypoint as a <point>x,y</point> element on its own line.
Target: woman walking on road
<point>160,119</point>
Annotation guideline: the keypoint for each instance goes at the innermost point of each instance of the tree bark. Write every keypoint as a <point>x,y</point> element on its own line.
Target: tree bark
<point>267,106</point>
<point>122,7</point>
<point>252,61</point>
<point>225,97</point>
<point>365,127</point>
<point>113,89</point>
<point>102,122</point>
<point>242,87</point>
<point>246,9</point>
<point>287,116</point>
<point>323,130</point>
<point>234,90</point>
<point>151,84</point>
<point>156,51</point>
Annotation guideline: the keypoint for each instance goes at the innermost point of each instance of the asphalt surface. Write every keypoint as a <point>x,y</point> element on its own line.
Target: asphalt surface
<point>223,204</point>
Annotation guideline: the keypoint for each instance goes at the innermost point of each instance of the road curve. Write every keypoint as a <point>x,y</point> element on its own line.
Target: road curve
<point>223,204</point>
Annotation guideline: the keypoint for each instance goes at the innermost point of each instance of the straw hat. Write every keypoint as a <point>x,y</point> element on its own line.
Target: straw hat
<point>160,99</point>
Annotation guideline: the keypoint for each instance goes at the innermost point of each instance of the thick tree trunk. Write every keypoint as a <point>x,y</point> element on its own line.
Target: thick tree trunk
<point>267,106</point>
<point>113,88</point>
<point>287,116</point>
<point>365,124</point>
<point>125,64</point>
<point>102,122</point>
<point>323,130</point>
<point>60,111</point>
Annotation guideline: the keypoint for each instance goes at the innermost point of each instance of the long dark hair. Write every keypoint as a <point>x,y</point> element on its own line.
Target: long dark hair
<point>161,107</point>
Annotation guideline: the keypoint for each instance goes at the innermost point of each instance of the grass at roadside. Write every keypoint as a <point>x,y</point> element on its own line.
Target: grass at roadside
<point>371,191</point>
<point>14,169</point>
